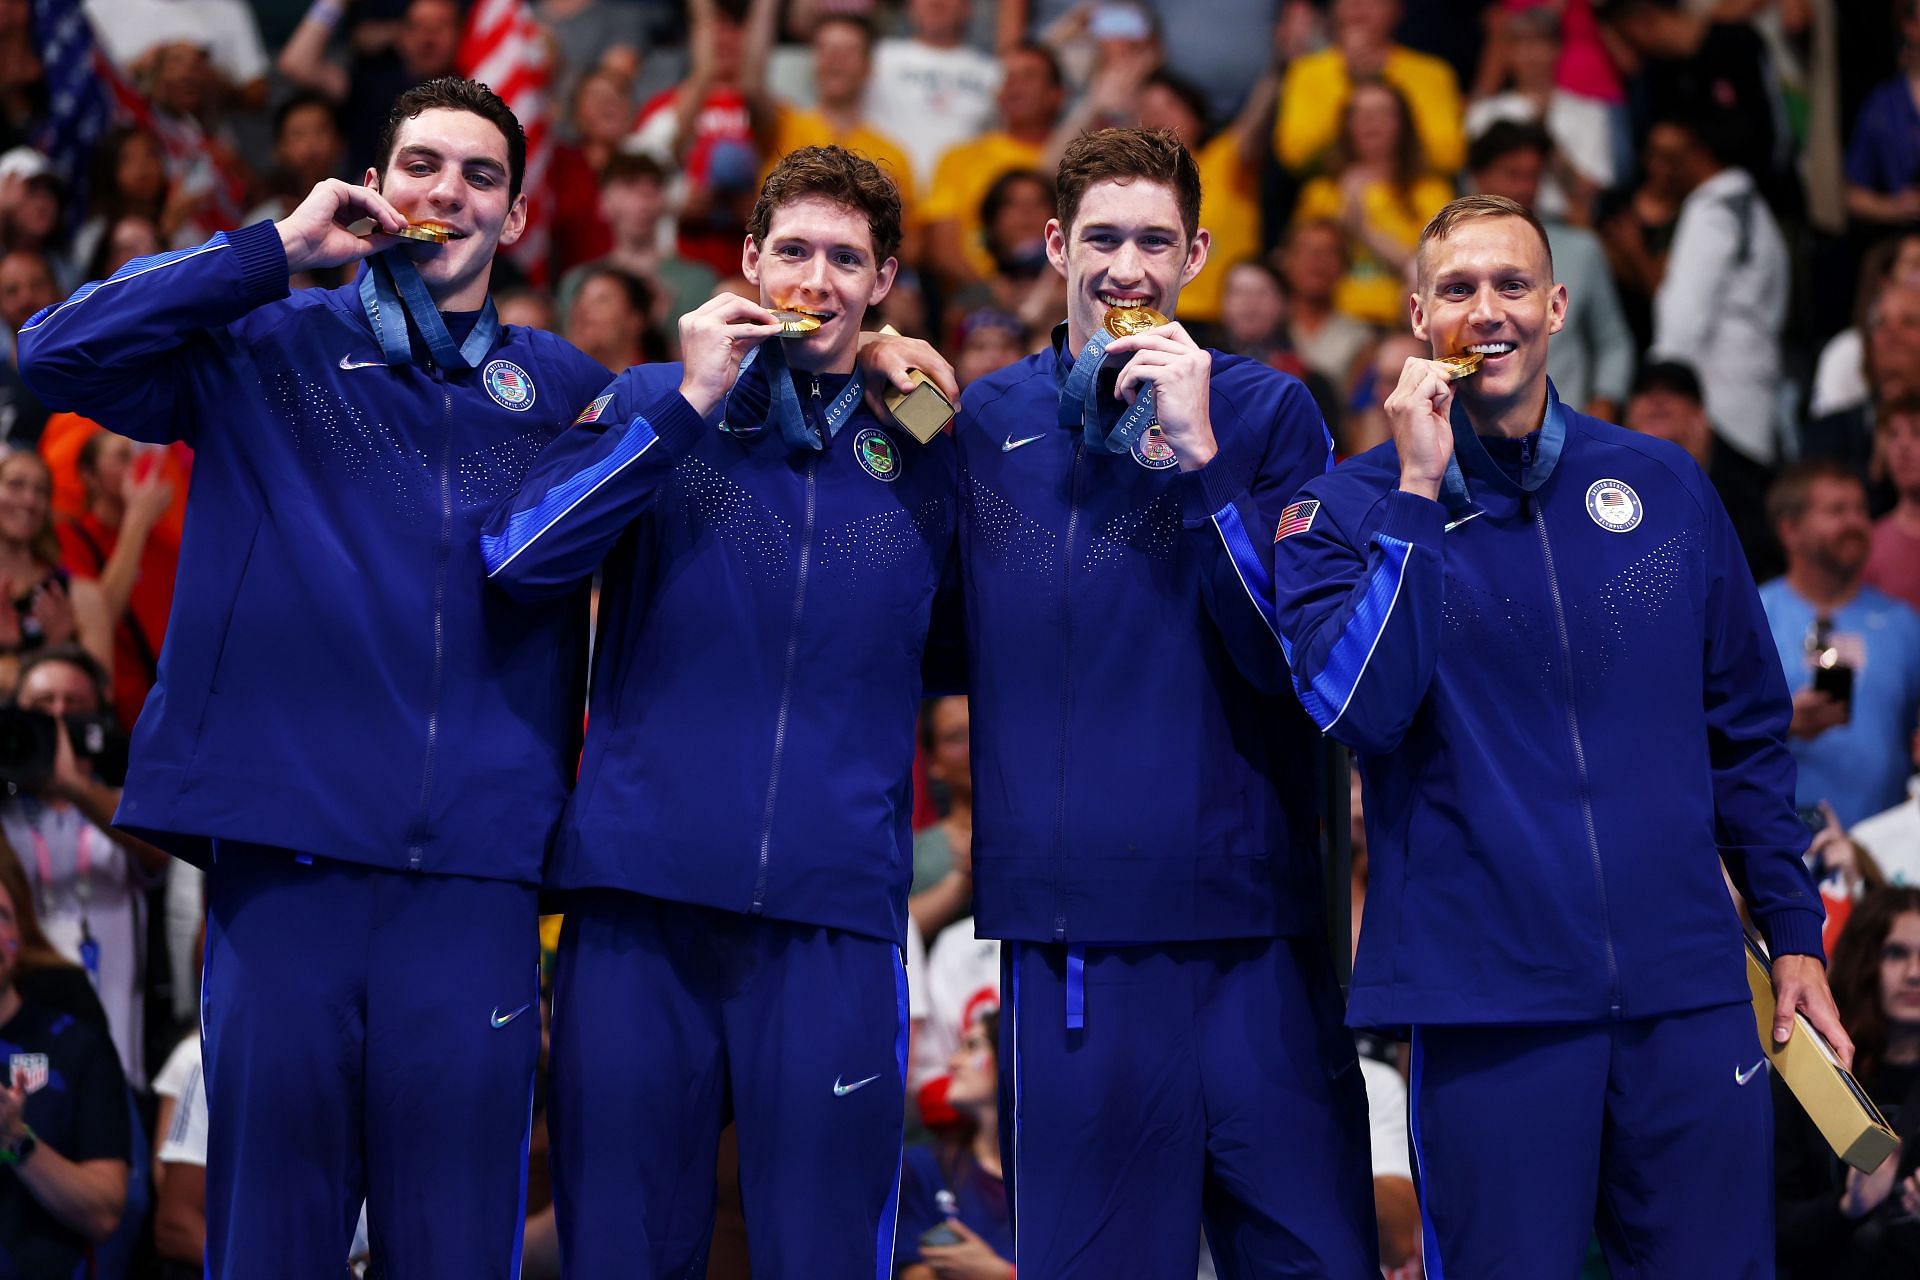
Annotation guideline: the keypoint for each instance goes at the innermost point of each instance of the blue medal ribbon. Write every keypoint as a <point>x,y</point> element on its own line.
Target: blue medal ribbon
<point>740,413</point>
<point>392,292</point>
<point>1087,400</point>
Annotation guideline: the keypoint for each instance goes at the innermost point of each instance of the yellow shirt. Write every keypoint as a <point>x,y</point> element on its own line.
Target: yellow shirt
<point>1315,93</point>
<point>794,129</point>
<point>960,183</point>
<point>1230,211</point>
<point>1372,291</point>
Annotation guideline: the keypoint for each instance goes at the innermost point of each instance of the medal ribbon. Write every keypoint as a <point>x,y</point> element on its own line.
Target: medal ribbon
<point>1087,400</point>
<point>391,291</point>
<point>794,427</point>
<point>82,889</point>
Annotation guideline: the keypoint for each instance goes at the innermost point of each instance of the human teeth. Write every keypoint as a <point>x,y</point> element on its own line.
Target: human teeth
<point>1492,348</point>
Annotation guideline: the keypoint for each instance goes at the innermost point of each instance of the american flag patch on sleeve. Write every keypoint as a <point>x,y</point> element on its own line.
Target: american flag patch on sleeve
<point>593,411</point>
<point>1297,518</point>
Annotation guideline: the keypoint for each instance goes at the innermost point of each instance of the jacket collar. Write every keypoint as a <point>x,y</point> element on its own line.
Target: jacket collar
<point>1471,460</point>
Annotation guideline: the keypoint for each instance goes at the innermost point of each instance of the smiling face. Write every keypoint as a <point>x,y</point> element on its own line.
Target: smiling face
<point>1488,288</point>
<point>450,167</point>
<point>1126,248</point>
<point>26,493</point>
<point>818,257</point>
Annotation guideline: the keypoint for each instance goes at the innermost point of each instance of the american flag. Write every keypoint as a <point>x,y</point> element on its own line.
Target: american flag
<point>504,48</point>
<point>1297,518</point>
<point>79,109</point>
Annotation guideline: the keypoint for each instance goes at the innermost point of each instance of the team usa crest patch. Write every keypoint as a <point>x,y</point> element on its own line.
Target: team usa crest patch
<point>28,1071</point>
<point>1614,506</point>
<point>509,385</point>
<point>877,455</point>
<point>1297,518</point>
<point>593,411</point>
<point>1152,451</point>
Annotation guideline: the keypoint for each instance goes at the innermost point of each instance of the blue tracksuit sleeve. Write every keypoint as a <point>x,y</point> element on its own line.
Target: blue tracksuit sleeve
<point>1762,840</point>
<point>587,489</point>
<point>1230,508</point>
<point>1358,592</point>
<point>122,350</point>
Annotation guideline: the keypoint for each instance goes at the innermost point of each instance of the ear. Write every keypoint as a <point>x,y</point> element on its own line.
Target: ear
<point>516,221</point>
<point>1418,315</point>
<point>1557,309</point>
<point>372,179</point>
<point>1057,245</point>
<point>750,261</point>
<point>883,282</point>
<point>1196,256</point>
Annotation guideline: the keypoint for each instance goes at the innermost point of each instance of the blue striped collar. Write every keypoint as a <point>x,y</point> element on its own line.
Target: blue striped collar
<point>1470,456</point>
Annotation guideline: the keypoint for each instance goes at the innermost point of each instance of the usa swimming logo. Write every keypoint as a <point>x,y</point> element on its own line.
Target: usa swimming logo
<point>509,385</point>
<point>1614,506</point>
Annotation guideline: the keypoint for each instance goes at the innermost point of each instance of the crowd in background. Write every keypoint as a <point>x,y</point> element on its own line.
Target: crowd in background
<point>1732,193</point>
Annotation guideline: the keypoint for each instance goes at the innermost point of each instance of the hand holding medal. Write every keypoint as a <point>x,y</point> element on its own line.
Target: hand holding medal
<point>717,335</point>
<point>1162,356</point>
<point>336,224</point>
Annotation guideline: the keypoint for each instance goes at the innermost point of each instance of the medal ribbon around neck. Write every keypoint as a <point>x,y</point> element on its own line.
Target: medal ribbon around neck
<point>785,400</point>
<point>1103,421</point>
<point>391,291</point>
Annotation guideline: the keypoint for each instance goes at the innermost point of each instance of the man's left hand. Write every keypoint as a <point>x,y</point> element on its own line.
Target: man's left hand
<point>886,357</point>
<point>1800,985</point>
<point>1181,371</point>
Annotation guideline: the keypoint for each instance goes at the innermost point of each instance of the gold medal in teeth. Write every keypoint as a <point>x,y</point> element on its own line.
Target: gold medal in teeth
<point>796,324</point>
<point>1460,366</point>
<point>1122,321</point>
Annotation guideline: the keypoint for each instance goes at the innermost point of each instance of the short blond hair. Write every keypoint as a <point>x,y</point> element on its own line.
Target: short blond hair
<point>1459,212</point>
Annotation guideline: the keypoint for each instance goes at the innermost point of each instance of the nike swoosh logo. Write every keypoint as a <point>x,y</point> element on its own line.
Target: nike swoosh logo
<point>1012,444</point>
<point>348,362</point>
<point>1741,1077</point>
<point>842,1090</point>
<point>502,1019</point>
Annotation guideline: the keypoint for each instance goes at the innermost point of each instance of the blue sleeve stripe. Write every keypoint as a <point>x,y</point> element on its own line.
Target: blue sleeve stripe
<point>1331,689</point>
<point>525,528</point>
<point>1254,578</point>
<point>137,267</point>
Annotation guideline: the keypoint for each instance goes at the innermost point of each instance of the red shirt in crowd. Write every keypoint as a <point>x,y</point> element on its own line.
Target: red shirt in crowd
<point>85,546</point>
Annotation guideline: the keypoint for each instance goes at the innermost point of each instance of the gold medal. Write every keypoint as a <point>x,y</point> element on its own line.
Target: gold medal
<point>425,232</point>
<point>796,324</point>
<point>1123,321</point>
<point>1462,365</point>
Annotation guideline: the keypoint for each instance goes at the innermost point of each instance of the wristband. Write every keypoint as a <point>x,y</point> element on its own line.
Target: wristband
<point>17,1152</point>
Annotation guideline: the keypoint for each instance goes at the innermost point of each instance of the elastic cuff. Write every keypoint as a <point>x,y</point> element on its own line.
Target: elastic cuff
<point>1794,932</point>
<point>1208,489</point>
<point>1412,518</point>
<point>263,262</point>
<point>678,424</point>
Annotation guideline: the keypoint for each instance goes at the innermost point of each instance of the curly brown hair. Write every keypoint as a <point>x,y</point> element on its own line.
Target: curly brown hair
<point>842,176</point>
<point>1854,972</point>
<point>1122,155</point>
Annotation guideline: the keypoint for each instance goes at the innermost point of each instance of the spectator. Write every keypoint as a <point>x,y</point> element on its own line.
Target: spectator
<point>124,543</point>
<point>1579,128</point>
<point>1834,1222</point>
<point>64,1125</point>
<point>1366,422</point>
<point>1639,234</point>
<point>1314,93</point>
<point>180,1157</point>
<point>1592,356</point>
<point>1893,565</point>
<point>1313,260</point>
<point>1723,300</point>
<point>842,69</point>
<point>703,125</point>
<point>988,341</point>
<point>1840,377</point>
<point>89,881</point>
<point>1031,95</point>
<point>32,202</point>
<point>608,319</point>
<point>959,1184</point>
<point>132,32</point>
<point>932,88</point>
<point>49,608</point>
<point>943,852</point>
<point>594,36</point>
<point>1380,194</point>
<point>129,178</point>
<point>528,306</point>
<point>1253,319</point>
<point>601,111</point>
<point>26,285</point>
<point>1013,228</point>
<point>1883,160</point>
<point>23,91</point>
<point>421,46</point>
<point>1891,838</point>
<point>633,201</point>
<point>130,237</point>
<point>1666,403</point>
<point>308,145</point>
<point>209,175</point>
<point>1852,750</point>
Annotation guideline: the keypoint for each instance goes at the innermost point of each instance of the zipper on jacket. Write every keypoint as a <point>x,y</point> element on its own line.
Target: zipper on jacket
<point>1066,699</point>
<point>417,850</point>
<point>1580,761</point>
<point>786,688</point>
